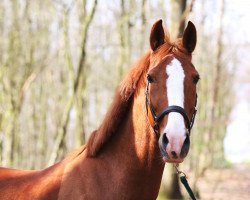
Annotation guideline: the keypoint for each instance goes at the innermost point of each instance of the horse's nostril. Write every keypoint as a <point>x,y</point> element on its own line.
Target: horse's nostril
<point>165,139</point>
<point>174,154</point>
<point>163,142</point>
<point>187,141</point>
<point>185,147</point>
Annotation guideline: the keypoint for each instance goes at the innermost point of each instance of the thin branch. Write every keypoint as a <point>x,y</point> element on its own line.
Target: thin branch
<point>27,84</point>
<point>184,15</point>
<point>65,7</point>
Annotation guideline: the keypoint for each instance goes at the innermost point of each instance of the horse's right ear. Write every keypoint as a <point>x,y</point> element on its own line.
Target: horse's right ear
<point>189,37</point>
<point>157,35</point>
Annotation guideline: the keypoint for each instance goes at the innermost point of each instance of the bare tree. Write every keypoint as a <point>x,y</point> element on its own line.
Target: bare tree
<point>79,85</point>
<point>180,11</point>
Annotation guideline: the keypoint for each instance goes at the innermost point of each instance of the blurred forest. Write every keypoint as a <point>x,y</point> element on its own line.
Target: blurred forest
<point>61,60</point>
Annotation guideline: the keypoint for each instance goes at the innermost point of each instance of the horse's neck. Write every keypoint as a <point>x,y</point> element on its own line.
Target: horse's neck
<point>145,140</point>
<point>135,148</point>
<point>129,164</point>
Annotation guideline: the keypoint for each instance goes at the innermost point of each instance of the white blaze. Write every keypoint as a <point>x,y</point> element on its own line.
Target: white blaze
<point>175,127</point>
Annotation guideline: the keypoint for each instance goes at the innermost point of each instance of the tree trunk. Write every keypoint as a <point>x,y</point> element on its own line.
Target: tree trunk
<point>122,42</point>
<point>79,81</point>
<point>216,89</point>
<point>173,189</point>
<point>178,18</point>
<point>143,25</point>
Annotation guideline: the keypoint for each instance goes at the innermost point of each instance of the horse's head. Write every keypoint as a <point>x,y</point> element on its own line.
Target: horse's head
<point>171,91</point>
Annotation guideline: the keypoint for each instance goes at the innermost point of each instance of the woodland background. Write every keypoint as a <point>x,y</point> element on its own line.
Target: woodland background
<point>61,60</point>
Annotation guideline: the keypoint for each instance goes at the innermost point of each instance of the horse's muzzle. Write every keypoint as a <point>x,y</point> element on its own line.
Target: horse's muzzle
<point>174,150</point>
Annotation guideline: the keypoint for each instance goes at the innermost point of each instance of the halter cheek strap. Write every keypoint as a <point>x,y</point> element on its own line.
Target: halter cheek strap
<point>150,116</point>
<point>152,121</point>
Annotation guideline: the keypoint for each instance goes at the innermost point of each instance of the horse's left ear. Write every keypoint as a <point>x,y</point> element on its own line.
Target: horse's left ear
<point>189,37</point>
<point>157,35</point>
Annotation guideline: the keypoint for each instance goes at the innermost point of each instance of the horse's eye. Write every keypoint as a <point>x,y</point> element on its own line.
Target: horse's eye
<point>150,78</point>
<point>196,78</point>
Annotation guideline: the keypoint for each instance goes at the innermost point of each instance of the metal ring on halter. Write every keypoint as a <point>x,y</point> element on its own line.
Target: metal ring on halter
<point>156,128</point>
<point>178,171</point>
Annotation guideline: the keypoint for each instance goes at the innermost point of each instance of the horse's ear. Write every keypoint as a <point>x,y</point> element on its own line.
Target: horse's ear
<point>189,37</point>
<point>157,35</point>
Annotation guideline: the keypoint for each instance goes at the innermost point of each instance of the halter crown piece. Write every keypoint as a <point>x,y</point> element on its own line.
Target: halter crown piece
<point>167,110</point>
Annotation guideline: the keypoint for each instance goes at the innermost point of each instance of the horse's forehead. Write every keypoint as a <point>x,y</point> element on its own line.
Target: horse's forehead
<point>174,50</point>
<point>167,61</point>
<point>159,63</point>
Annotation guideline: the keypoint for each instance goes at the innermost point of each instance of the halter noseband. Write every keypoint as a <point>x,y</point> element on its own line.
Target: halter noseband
<point>167,110</point>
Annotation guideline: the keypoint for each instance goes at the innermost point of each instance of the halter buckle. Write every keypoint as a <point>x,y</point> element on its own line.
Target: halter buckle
<point>156,128</point>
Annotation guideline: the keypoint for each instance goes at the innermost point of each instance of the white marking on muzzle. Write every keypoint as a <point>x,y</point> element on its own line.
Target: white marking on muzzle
<point>175,128</point>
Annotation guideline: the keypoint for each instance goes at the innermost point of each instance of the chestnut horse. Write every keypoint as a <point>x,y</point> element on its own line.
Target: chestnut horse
<point>124,158</point>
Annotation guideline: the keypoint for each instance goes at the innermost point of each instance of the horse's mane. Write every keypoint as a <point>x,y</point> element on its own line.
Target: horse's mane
<point>119,108</point>
<point>75,153</point>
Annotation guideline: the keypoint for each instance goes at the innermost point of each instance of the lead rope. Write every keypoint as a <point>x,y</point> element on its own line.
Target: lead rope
<point>184,181</point>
